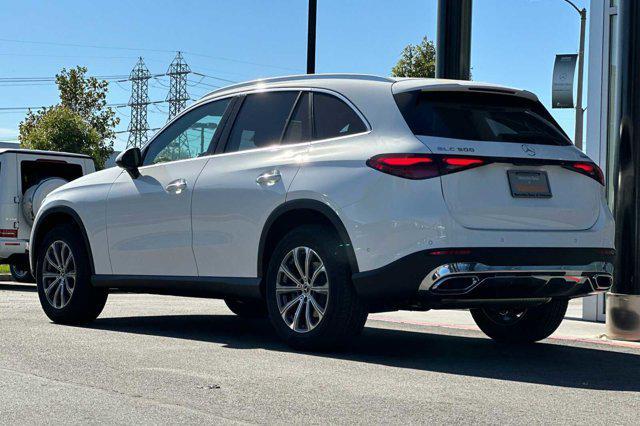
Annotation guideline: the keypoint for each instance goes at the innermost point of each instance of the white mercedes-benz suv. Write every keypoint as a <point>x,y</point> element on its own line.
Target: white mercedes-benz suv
<point>317,199</point>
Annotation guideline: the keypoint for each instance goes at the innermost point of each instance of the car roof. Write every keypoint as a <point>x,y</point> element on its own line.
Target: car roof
<point>397,84</point>
<point>41,152</point>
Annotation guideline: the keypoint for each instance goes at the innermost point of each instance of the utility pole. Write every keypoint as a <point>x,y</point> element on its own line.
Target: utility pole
<point>138,126</point>
<point>453,50</point>
<point>311,37</point>
<point>177,98</point>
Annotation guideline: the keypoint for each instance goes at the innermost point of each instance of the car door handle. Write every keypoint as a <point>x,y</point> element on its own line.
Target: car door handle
<point>176,186</point>
<point>269,178</point>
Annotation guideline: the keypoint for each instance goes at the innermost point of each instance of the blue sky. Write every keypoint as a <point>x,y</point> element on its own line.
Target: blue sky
<point>514,43</point>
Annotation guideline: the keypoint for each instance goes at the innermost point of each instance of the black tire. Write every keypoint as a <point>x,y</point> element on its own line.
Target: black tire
<point>85,302</point>
<point>344,314</point>
<point>21,273</point>
<point>247,308</point>
<point>521,325</point>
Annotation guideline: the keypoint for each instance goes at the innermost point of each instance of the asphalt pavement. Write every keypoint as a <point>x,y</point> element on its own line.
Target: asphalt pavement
<point>155,359</point>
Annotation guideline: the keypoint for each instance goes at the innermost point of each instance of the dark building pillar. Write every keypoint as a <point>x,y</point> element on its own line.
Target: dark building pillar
<point>623,303</point>
<point>453,50</point>
<point>311,37</point>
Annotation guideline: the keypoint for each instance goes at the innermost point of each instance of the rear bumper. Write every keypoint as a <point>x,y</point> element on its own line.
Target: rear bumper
<point>467,277</point>
<point>12,249</point>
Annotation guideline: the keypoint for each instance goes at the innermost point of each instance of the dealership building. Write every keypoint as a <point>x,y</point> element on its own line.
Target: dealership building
<point>601,142</point>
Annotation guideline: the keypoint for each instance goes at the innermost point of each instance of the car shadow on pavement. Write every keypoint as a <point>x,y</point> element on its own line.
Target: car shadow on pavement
<point>550,363</point>
<point>19,287</point>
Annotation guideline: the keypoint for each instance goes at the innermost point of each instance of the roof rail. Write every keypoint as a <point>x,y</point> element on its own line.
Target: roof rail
<point>301,77</point>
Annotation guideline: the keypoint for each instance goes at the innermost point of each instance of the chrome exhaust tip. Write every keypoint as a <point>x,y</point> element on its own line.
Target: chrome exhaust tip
<point>455,284</point>
<point>602,282</point>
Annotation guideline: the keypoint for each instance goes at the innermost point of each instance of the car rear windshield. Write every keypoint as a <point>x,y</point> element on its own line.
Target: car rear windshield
<point>479,117</point>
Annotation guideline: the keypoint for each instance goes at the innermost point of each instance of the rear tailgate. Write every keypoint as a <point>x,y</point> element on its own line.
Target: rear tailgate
<point>483,197</point>
<point>530,177</point>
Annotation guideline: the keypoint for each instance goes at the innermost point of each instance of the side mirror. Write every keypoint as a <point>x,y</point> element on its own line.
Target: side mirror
<point>130,160</point>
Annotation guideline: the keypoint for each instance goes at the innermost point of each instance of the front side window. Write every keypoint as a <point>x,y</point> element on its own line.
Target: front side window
<point>261,120</point>
<point>479,117</point>
<point>189,136</point>
<point>334,118</point>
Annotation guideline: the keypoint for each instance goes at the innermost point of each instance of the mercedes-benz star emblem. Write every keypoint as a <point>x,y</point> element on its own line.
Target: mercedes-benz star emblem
<point>528,150</point>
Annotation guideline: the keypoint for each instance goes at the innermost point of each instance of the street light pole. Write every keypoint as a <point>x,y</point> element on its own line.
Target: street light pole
<point>311,38</point>
<point>453,49</point>
<point>579,110</point>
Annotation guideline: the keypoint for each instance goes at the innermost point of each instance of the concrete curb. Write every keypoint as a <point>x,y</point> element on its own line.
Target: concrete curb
<point>600,340</point>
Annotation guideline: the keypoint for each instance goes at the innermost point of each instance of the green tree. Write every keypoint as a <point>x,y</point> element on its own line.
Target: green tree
<point>85,97</point>
<point>417,60</point>
<point>58,128</point>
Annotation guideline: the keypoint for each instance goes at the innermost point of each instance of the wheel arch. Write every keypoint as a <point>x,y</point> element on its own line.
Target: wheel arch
<point>295,213</point>
<point>48,220</point>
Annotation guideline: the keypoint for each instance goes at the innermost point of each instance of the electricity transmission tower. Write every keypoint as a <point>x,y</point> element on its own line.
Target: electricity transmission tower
<point>138,126</point>
<point>177,98</point>
<point>178,95</point>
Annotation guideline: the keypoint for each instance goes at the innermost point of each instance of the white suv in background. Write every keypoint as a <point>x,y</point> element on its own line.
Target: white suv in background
<point>317,199</point>
<point>26,177</point>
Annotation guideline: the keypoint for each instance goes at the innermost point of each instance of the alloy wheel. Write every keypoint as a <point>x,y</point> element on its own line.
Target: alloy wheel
<point>19,272</point>
<point>58,274</point>
<point>302,289</point>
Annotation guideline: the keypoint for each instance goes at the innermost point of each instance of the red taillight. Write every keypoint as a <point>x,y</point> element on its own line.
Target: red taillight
<point>588,169</point>
<point>409,166</point>
<point>8,233</point>
<point>450,252</point>
<point>405,161</point>
<point>462,161</point>
<point>422,166</point>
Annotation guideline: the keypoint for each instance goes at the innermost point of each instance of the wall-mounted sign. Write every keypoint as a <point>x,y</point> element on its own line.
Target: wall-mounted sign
<point>562,87</point>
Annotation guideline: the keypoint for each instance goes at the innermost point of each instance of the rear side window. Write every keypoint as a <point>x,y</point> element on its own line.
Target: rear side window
<point>333,118</point>
<point>477,116</point>
<point>299,128</point>
<point>261,120</point>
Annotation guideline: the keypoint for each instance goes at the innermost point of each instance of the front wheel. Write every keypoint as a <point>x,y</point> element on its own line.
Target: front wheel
<point>64,278</point>
<point>21,273</point>
<point>521,325</point>
<point>310,298</point>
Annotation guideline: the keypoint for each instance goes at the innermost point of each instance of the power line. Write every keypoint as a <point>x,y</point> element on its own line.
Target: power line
<point>53,79</point>
<point>215,78</point>
<point>201,83</point>
<point>93,46</point>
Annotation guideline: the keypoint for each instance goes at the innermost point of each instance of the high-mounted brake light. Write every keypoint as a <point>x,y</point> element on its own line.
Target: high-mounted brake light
<point>588,169</point>
<point>422,166</point>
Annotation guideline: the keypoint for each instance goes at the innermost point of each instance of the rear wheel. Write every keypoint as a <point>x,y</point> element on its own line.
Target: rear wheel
<point>311,301</point>
<point>247,308</point>
<point>64,278</point>
<point>21,273</point>
<point>521,325</point>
